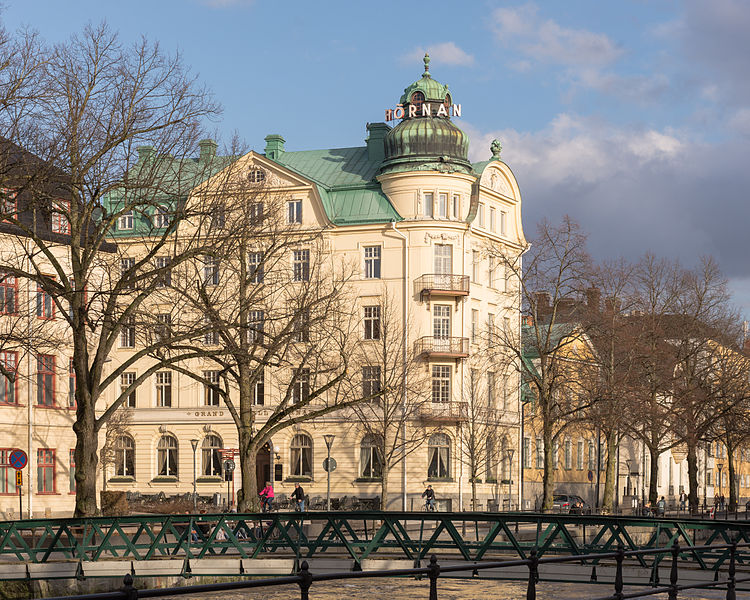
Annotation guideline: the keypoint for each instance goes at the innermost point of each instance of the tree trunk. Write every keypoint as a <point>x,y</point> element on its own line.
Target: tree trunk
<point>548,476</point>
<point>85,453</point>
<point>692,465</point>
<point>247,495</point>
<point>653,493</point>
<point>473,493</point>
<point>384,487</point>
<point>730,473</point>
<point>611,474</point>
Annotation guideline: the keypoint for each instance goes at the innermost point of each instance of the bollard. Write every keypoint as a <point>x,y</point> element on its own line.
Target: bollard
<point>533,576</point>
<point>674,572</point>
<point>433,574</point>
<point>731,583</point>
<point>618,573</point>
<point>128,589</point>
<point>305,581</point>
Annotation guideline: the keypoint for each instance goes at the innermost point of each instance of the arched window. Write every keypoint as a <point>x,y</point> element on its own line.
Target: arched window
<point>370,462</point>
<point>302,457</point>
<point>211,450</point>
<point>417,99</point>
<point>124,456</point>
<point>166,456</point>
<point>439,456</point>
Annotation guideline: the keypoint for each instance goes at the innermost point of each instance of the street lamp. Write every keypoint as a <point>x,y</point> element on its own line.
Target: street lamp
<point>628,461</point>
<point>510,452</point>
<point>328,437</point>
<point>720,466</point>
<point>194,444</point>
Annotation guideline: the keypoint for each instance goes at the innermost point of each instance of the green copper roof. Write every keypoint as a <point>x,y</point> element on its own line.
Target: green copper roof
<point>345,179</point>
<point>433,91</point>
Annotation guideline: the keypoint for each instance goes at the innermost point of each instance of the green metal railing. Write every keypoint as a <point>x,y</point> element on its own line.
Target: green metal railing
<point>362,535</point>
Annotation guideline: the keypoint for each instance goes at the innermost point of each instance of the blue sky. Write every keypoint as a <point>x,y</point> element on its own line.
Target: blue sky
<point>631,116</point>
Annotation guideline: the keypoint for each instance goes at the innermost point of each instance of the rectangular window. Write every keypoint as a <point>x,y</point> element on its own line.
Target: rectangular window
<point>301,265</point>
<point>491,390</point>
<point>218,218</point>
<point>71,384</point>
<point>126,380</point>
<point>371,377</point>
<point>539,453</point>
<point>45,307</point>
<point>302,326</point>
<point>256,213</point>
<point>259,392</point>
<point>503,222</point>
<point>301,389</point>
<point>211,270</point>
<point>441,383</point>
<point>708,478</point>
<point>372,322</point>
<point>211,394</point>
<point>579,455</point>
<point>443,258</point>
<point>568,454</point>
<point>161,217</point>
<point>294,211</point>
<point>480,215</point>
<point>163,328</point>
<point>210,336</point>
<point>256,326</point>
<point>475,266</point>
<point>126,264</point>
<point>372,262</point>
<point>45,471</point>
<point>72,472</point>
<point>441,321</point>
<point>61,216</point>
<point>592,456</point>
<point>492,218</point>
<point>8,385</point>
<point>442,206</point>
<point>127,333</point>
<point>255,267</point>
<point>8,294</point>
<point>163,389</point>
<point>164,277</point>
<point>429,201</point>
<point>456,206</point>
<point>45,380</point>
<point>490,328</point>
<point>474,325</point>
<point>7,473</point>
<point>125,221</point>
<point>491,272</point>
<point>526,456</point>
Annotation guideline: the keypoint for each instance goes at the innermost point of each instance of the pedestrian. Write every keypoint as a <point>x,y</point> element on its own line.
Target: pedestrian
<point>266,497</point>
<point>683,500</point>
<point>722,502</point>
<point>661,507</point>
<point>298,495</point>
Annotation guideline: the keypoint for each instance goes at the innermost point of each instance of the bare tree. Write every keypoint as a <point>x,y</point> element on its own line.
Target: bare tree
<point>101,100</point>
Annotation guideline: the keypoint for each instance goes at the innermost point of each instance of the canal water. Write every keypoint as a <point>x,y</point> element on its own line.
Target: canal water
<point>448,589</point>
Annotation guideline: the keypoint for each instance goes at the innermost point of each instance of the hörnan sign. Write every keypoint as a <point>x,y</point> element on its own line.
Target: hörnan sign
<point>425,110</point>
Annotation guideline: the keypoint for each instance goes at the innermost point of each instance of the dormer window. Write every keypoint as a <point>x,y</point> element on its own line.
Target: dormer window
<point>256,176</point>
<point>417,99</point>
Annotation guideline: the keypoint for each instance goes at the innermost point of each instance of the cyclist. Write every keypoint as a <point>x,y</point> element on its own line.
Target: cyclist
<point>429,496</point>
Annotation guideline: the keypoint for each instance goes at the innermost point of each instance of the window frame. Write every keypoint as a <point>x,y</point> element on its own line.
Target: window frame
<point>163,389</point>
<point>124,463</point>
<point>371,321</point>
<point>439,457</point>
<point>373,262</point>
<point>8,386</point>
<point>211,395</point>
<point>8,286</point>
<point>294,212</point>
<point>301,265</point>
<point>125,383</point>
<point>171,452</point>
<point>370,461</point>
<point>45,304</point>
<point>59,221</point>
<point>42,469</point>
<point>441,384</point>
<point>298,466</point>
<point>211,457</point>
<point>46,377</point>
<point>372,381</point>
<point>126,221</point>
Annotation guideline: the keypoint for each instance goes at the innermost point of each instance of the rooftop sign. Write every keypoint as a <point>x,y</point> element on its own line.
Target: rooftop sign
<point>454,110</point>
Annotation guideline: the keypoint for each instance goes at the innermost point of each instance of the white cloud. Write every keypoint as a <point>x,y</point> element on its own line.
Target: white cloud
<point>548,42</point>
<point>445,53</point>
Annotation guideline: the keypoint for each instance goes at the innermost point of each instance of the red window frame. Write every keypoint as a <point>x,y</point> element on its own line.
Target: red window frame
<point>41,303</point>
<point>7,474</point>
<point>45,461</point>
<point>8,283</point>
<point>45,367</point>
<point>9,358</point>
<point>60,221</point>
<point>9,204</point>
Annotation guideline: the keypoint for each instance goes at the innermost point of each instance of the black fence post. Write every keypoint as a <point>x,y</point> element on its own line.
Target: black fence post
<point>674,572</point>
<point>618,573</point>
<point>433,573</point>
<point>305,581</point>
<point>731,584</point>
<point>533,575</point>
<point>128,589</point>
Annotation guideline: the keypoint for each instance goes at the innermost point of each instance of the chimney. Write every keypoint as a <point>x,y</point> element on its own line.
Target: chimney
<point>593,298</point>
<point>566,306</point>
<point>612,305</point>
<point>208,150</point>
<point>274,146</point>
<point>376,141</point>
<point>541,299</point>
<point>145,154</point>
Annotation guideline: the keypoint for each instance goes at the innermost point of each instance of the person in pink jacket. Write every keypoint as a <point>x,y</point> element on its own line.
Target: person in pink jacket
<point>266,497</point>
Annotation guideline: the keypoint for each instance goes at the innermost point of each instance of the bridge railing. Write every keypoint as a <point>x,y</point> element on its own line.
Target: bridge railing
<point>305,579</point>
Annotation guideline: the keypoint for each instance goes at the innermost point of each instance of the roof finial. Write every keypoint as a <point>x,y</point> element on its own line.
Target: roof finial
<point>427,63</point>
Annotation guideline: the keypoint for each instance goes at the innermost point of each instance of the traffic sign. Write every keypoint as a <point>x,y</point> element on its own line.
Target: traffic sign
<point>19,478</point>
<point>590,476</point>
<point>329,464</point>
<point>18,459</point>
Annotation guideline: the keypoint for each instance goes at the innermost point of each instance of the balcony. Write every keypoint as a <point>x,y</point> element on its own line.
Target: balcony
<point>434,284</point>
<point>451,347</point>
<point>443,412</point>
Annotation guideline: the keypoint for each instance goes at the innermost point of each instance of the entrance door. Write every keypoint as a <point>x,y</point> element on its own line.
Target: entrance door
<point>263,466</point>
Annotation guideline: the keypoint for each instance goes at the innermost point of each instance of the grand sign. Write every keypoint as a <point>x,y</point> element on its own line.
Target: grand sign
<point>453,110</point>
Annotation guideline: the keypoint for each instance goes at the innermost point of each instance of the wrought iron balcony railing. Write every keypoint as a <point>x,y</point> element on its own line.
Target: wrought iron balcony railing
<point>450,347</point>
<point>443,412</point>
<point>445,285</point>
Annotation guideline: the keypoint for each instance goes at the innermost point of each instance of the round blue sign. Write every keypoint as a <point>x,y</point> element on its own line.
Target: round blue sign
<point>18,459</point>
<point>591,476</point>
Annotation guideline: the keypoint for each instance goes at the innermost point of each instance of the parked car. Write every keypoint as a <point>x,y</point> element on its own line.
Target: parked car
<point>570,504</point>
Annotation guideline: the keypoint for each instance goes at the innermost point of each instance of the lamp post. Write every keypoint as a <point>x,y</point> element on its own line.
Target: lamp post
<point>720,466</point>
<point>510,452</point>
<point>628,462</point>
<point>194,444</point>
<point>328,437</point>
